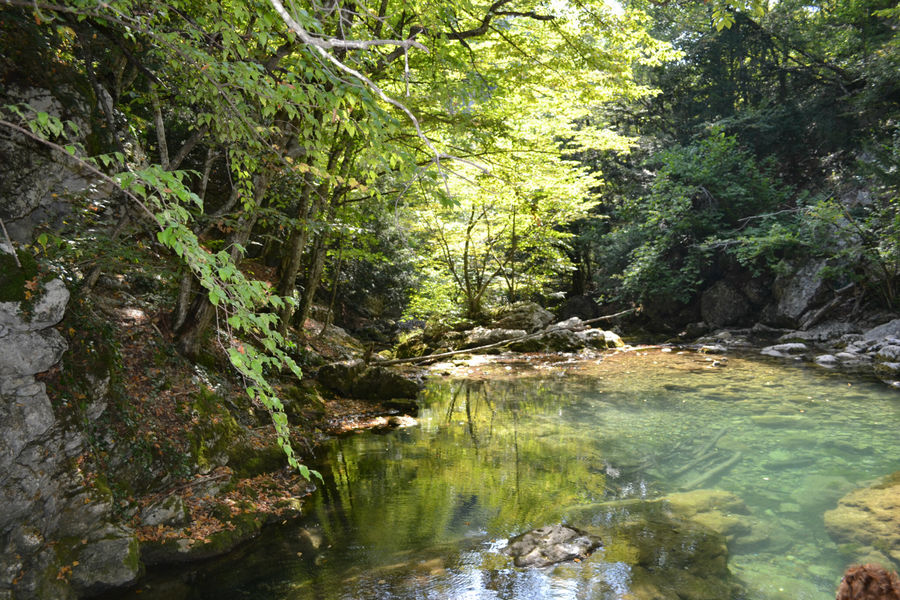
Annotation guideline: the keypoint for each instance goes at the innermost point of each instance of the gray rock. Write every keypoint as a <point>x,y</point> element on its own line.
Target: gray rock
<point>169,511</point>
<point>722,305</point>
<point>354,379</point>
<point>782,350</point>
<point>563,340</point>
<point>598,338</point>
<point>47,311</point>
<point>528,316</point>
<point>481,336</point>
<point>110,562</point>
<point>29,353</point>
<point>888,353</point>
<point>797,292</point>
<point>889,329</point>
<point>827,360</point>
<point>826,332</point>
<point>550,545</point>
<point>572,324</point>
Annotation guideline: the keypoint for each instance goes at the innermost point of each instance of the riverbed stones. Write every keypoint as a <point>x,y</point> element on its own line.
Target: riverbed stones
<point>549,545</point>
<point>867,520</point>
<point>723,512</point>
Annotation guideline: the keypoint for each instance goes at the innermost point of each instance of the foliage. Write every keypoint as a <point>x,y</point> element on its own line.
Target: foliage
<point>698,192</point>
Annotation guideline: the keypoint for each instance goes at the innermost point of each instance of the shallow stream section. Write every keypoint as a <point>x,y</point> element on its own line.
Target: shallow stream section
<point>510,445</point>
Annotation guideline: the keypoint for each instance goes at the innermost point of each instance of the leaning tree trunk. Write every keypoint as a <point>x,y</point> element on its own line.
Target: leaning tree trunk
<point>197,318</point>
<point>316,266</point>
<point>292,261</point>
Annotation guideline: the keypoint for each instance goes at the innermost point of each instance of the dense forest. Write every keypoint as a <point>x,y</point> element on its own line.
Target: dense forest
<point>379,165</point>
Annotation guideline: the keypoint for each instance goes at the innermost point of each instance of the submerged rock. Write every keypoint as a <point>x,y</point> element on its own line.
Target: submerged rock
<point>550,545</point>
<point>867,521</point>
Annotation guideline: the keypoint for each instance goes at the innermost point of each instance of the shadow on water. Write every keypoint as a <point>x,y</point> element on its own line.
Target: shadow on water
<point>704,483</point>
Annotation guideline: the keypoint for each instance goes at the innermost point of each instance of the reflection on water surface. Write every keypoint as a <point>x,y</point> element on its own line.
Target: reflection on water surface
<point>424,512</point>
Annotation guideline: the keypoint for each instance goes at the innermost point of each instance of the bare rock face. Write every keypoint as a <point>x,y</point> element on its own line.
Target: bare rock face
<point>868,520</point>
<point>798,292</point>
<point>550,545</point>
<point>44,505</point>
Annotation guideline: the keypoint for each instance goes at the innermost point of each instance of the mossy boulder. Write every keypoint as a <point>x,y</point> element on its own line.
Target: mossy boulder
<point>106,562</point>
<point>241,528</point>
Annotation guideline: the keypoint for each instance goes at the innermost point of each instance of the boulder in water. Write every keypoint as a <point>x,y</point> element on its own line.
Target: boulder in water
<point>549,545</point>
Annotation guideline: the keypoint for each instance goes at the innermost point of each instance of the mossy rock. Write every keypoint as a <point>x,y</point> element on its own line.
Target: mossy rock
<point>249,460</point>
<point>13,277</point>
<point>216,432</point>
<point>242,527</point>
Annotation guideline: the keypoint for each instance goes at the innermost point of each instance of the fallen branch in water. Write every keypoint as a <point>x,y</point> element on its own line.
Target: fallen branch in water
<point>713,472</point>
<point>709,446</point>
<point>690,465</point>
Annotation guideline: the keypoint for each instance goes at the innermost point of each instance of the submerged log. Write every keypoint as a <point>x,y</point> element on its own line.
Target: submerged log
<point>722,467</point>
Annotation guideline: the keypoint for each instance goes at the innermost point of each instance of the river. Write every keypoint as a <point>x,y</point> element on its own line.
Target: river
<point>503,446</point>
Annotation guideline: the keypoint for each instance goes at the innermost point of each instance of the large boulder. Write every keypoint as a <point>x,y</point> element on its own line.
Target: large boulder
<point>891,329</point>
<point>354,379</point>
<point>583,307</point>
<point>549,545</point>
<point>797,292</point>
<point>722,305</point>
<point>528,316</point>
<point>867,522</point>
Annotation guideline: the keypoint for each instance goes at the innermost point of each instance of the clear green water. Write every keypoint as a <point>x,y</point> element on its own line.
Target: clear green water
<point>422,512</point>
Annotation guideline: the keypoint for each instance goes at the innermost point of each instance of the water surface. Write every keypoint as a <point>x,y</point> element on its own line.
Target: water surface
<point>423,512</point>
